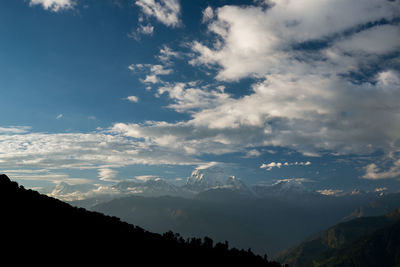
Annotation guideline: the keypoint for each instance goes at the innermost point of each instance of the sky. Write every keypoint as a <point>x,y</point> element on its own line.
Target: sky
<point>96,92</point>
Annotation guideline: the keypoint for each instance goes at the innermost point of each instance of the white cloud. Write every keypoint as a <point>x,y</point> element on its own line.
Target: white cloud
<point>370,41</point>
<point>271,165</point>
<point>108,175</point>
<point>166,54</point>
<point>160,70</point>
<point>54,5</point>
<point>330,192</point>
<point>165,11</point>
<point>252,153</point>
<point>278,165</point>
<point>145,178</point>
<point>153,72</point>
<point>208,14</point>
<point>14,129</point>
<point>133,99</point>
<point>146,29</point>
<point>97,150</point>
<point>381,189</point>
<point>373,172</point>
<point>187,99</point>
<point>256,41</point>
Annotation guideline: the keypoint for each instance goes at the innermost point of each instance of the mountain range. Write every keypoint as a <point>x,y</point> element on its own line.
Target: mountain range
<point>38,229</point>
<point>267,218</point>
<point>266,224</point>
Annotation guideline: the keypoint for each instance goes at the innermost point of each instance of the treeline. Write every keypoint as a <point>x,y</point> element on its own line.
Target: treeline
<point>40,229</point>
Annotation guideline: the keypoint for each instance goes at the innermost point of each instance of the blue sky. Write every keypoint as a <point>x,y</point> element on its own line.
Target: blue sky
<point>101,91</point>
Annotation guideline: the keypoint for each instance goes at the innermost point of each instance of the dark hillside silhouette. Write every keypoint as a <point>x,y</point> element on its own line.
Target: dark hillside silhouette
<point>39,229</point>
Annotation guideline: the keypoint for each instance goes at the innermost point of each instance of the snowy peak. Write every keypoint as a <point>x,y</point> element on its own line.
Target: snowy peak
<point>213,178</point>
<point>151,187</point>
<point>282,188</point>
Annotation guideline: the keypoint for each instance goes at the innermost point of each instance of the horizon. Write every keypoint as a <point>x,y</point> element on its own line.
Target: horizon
<point>94,93</point>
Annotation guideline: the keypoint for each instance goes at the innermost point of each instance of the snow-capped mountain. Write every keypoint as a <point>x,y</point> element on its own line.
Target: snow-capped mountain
<point>151,187</point>
<point>63,188</point>
<point>214,178</point>
<point>281,188</point>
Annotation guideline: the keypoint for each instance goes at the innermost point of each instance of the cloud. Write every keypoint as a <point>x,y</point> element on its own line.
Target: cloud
<point>208,14</point>
<point>14,129</point>
<point>165,11</point>
<point>254,40</point>
<point>145,178</point>
<point>373,172</point>
<point>297,181</point>
<point>45,175</point>
<point>146,29</point>
<point>87,151</point>
<point>133,99</point>
<point>307,57</point>
<point>153,71</point>
<point>54,5</point>
<point>187,98</point>
<point>278,165</point>
<point>166,54</point>
<point>142,29</point>
<point>330,192</point>
<point>252,153</point>
<point>108,175</point>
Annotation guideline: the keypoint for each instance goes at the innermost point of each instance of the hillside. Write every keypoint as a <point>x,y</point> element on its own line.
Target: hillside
<point>41,229</point>
<point>368,241</point>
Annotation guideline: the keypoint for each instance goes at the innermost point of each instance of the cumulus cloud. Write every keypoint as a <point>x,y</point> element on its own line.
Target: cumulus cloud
<point>307,58</point>
<point>330,192</point>
<point>278,165</point>
<point>373,172</point>
<point>188,98</point>
<point>153,71</point>
<point>167,54</point>
<point>208,14</point>
<point>54,5</point>
<point>165,11</point>
<point>133,99</point>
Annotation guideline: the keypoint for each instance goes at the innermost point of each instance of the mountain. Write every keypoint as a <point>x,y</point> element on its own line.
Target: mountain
<point>267,224</point>
<point>214,178</point>
<point>379,206</point>
<point>281,187</point>
<point>40,229</point>
<point>152,187</point>
<point>367,241</point>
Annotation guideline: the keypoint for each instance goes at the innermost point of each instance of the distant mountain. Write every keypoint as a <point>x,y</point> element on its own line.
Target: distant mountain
<point>153,187</point>
<point>214,178</point>
<point>39,229</point>
<point>267,224</point>
<point>288,188</point>
<point>379,206</point>
<point>368,241</point>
